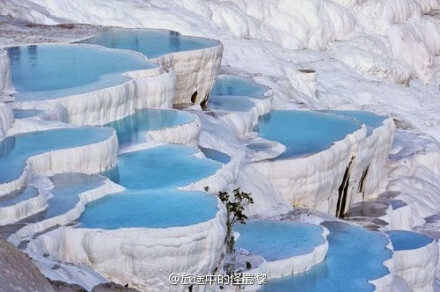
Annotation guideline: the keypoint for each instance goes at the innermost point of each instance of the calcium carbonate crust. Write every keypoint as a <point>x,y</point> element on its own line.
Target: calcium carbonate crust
<point>143,258</point>
<point>88,159</point>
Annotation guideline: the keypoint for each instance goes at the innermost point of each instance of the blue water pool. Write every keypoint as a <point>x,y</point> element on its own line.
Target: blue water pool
<point>216,155</point>
<point>406,240</point>
<point>42,72</point>
<point>18,196</point>
<point>355,256</point>
<point>370,119</point>
<point>150,209</point>
<point>67,188</point>
<point>304,132</point>
<point>151,43</point>
<point>132,129</point>
<point>275,240</point>
<point>238,86</point>
<point>15,150</point>
<point>21,114</point>
<point>166,166</point>
<point>230,103</point>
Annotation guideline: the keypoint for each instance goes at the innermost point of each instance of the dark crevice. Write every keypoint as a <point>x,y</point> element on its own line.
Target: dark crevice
<point>343,192</point>
<point>362,182</point>
<point>204,102</point>
<point>194,97</point>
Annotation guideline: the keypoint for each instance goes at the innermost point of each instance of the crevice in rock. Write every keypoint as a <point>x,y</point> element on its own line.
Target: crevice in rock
<point>361,188</point>
<point>194,97</point>
<point>343,192</point>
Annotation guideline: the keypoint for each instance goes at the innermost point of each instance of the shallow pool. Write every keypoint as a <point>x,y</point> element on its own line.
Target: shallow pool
<point>371,120</point>
<point>67,188</point>
<point>18,196</point>
<point>15,150</point>
<point>149,209</point>
<point>406,240</point>
<point>276,240</point>
<point>132,129</point>
<point>238,86</point>
<point>230,103</point>
<point>21,114</point>
<point>355,256</point>
<point>304,132</point>
<point>166,166</point>
<point>41,72</point>
<point>216,155</point>
<point>151,43</point>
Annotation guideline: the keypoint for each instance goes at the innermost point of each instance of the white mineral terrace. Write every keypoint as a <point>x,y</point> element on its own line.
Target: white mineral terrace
<point>314,57</point>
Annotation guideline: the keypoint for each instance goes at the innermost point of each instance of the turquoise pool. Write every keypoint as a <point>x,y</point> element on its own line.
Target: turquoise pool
<point>41,72</point>
<point>168,166</point>
<point>355,256</point>
<point>15,150</point>
<point>132,129</point>
<point>276,240</point>
<point>371,120</point>
<point>151,43</point>
<point>407,240</point>
<point>304,132</point>
<point>149,209</point>
<point>228,85</point>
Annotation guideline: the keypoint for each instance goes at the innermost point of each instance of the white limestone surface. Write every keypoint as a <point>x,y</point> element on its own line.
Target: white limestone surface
<point>89,159</point>
<point>244,121</point>
<point>143,258</point>
<point>5,73</point>
<point>196,71</point>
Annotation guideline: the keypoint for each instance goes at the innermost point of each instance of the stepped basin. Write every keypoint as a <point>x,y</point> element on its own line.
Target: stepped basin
<point>21,114</point>
<point>132,129</point>
<point>371,120</point>
<point>149,209</point>
<point>415,252</point>
<point>166,166</point>
<point>355,257</point>
<point>304,132</point>
<point>227,85</point>
<point>18,196</point>
<point>67,187</point>
<point>230,103</point>
<point>151,43</point>
<point>216,155</point>
<point>276,240</point>
<point>15,150</point>
<point>42,72</point>
<point>407,240</point>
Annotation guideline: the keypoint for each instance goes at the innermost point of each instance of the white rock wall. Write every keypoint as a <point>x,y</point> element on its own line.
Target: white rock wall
<point>147,88</point>
<point>5,73</point>
<point>313,181</point>
<point>372,153</point>
<point>186,134</point>
<point>143,258</point>
<point>6,119</point>
<point>196,72</point>
<point>417,266</point>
